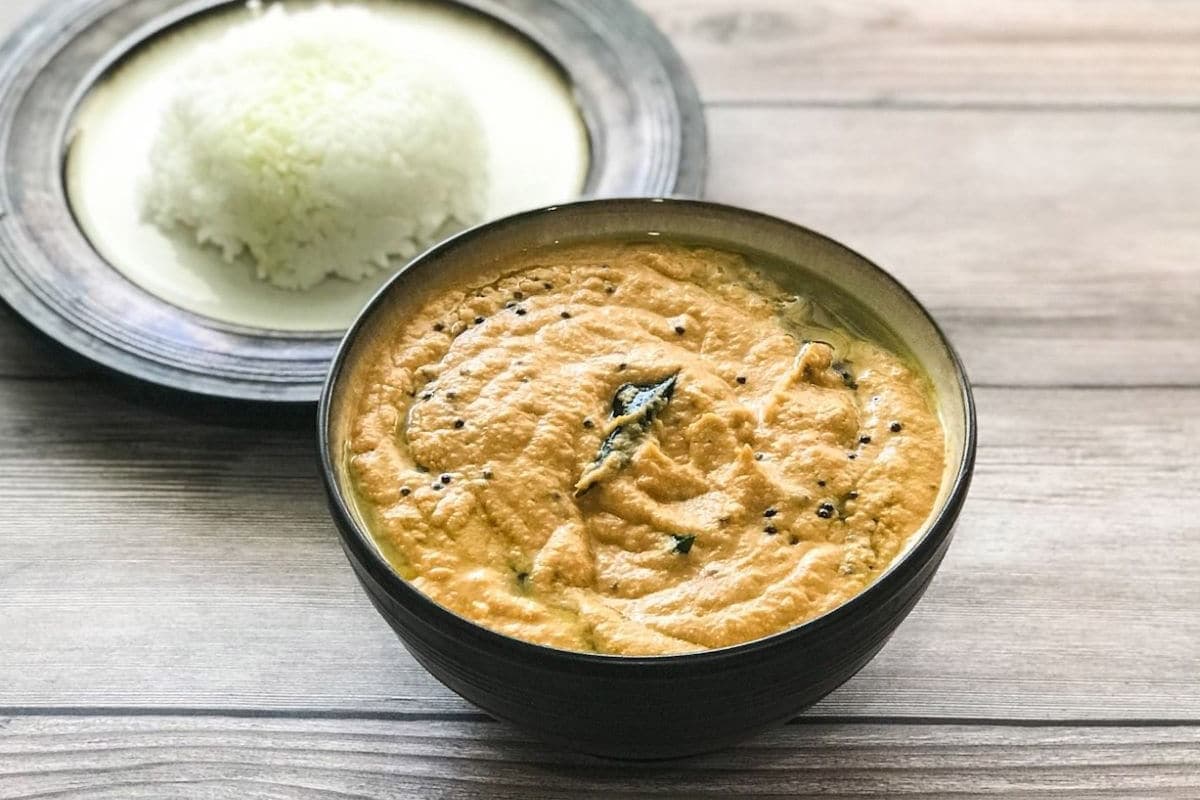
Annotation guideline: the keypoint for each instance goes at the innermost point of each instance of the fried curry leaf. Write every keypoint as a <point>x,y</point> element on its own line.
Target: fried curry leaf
<point>633,399</point>
<point>683,542</point>
<point>634,408</point>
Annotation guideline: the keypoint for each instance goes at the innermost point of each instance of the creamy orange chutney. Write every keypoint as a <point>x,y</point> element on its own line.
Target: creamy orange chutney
<point>637,449</point>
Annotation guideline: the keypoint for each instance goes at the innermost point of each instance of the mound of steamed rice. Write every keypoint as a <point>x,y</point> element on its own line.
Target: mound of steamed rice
<point>304,140</point>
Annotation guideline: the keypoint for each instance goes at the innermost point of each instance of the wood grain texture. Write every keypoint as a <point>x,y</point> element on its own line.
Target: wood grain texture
<point>1028,52</point>
<point>217,758</point>
<point>1140,53</point>
<point>158,561</point>
<point>1056,248</point>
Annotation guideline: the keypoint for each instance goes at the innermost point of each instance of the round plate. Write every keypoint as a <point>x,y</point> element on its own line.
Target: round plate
<point>639,105</point>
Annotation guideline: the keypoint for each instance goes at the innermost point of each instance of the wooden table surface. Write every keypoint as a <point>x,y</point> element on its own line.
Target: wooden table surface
<point>177,620</point>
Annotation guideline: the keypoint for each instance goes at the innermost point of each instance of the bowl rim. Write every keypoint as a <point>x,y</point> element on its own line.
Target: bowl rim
<point>360,545</point>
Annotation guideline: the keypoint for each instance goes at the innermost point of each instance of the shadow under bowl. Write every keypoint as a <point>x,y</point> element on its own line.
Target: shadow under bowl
<point>663,706</point>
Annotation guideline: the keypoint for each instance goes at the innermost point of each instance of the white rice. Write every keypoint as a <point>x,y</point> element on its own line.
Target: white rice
<point>304,140</point>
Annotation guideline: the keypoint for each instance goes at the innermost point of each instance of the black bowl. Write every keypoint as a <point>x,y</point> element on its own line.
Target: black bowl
<point>664,706</point>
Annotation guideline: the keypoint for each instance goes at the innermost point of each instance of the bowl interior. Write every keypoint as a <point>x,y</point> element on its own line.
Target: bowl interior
<point>817,262</point>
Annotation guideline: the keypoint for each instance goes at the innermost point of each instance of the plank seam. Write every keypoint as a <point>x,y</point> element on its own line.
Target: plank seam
<point>1087,387</point>
<point>958,105</point>
<point>477,716</point>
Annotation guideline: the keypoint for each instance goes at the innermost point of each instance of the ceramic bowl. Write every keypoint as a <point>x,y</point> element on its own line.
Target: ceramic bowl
<point>664,706</point>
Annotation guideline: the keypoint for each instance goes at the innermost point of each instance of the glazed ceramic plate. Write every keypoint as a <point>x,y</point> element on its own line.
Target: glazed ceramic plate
<point>583,100</point>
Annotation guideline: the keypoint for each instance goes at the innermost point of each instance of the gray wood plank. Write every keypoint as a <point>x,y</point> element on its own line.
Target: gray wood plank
<point>1074,52</point>
<point>1056,248</point>
<point>151,560</point>
<point>1136,52</point>
<point>214,757</point>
